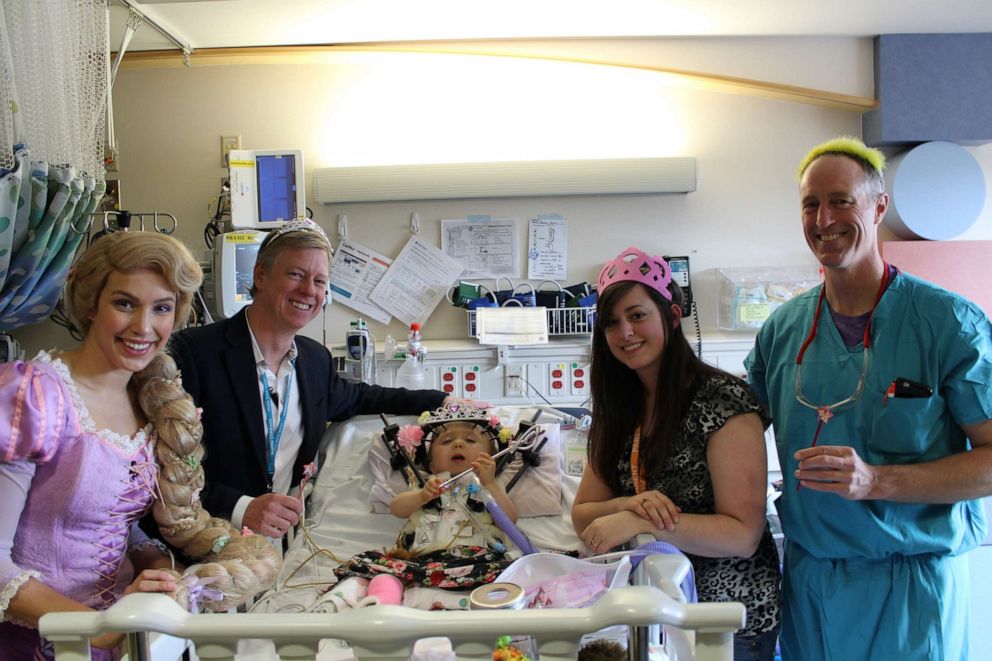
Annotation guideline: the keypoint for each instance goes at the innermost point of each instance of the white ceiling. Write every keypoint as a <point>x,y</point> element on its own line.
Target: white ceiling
<point>232,23</point>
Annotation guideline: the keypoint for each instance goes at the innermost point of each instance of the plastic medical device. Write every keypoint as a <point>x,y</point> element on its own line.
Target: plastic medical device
<point>359,360</point>
<point>232,270</point>
<point>411,373</point>
<point>267,187</point>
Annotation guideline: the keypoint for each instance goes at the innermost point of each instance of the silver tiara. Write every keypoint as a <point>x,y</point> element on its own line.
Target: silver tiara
<point>456,412</point>
<point>300,225</point>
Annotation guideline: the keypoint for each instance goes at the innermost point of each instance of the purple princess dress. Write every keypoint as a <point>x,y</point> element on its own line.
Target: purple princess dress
<point>72,496</point>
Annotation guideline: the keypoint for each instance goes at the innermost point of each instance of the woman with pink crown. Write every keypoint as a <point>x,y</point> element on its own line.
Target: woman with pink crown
<point>676,450</point>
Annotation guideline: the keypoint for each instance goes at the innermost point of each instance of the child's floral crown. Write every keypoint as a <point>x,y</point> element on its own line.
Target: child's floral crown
<point>411,437</point>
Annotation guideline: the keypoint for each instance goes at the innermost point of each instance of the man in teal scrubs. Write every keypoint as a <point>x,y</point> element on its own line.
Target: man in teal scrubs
<point>880,387</point>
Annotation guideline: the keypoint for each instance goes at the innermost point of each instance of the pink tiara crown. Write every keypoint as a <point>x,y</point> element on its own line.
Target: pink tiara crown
<point>633,265</point>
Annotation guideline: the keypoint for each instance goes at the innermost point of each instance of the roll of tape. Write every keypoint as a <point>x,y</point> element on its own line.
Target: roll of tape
<point>497,595</point>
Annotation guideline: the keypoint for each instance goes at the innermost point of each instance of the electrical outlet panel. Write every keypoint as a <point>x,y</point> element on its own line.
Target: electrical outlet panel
<point>552,380</point>
<point>536,380</point>
<point>578,378</point>
<point>513,381</point>
<point>450,380</point>
<point>472,381</point>
<point>227,143</point>
<point>558,378</point>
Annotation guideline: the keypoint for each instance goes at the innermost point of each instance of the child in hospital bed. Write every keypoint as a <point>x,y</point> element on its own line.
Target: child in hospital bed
<point>450,540</point>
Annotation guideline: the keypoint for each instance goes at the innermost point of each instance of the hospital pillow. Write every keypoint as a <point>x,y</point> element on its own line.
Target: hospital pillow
<point>537,493</point>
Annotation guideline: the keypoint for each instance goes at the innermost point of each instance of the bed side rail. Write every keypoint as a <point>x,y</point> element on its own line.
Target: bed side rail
<point>667,572</point>
<point>389,632</point>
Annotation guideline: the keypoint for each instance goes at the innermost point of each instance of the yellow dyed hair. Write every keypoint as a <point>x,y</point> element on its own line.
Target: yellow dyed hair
<point>845,145</point>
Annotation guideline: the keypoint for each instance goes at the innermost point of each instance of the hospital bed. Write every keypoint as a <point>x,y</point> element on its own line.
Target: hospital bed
<point>339,523</point>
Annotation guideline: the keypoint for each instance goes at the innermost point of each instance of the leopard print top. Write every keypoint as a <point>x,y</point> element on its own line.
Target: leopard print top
<point>753,581</point>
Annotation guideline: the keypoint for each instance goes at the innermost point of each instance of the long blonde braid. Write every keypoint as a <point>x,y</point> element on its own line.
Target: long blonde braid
<point>240,566</point>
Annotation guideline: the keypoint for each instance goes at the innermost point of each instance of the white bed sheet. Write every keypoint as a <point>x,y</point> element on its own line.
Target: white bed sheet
<point>340,521</point>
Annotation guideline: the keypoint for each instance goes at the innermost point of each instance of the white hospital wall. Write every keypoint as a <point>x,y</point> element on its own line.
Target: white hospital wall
<point>355,109</point>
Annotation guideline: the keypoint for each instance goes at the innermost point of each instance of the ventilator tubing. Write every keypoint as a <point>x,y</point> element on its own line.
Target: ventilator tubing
<point>506,525</point>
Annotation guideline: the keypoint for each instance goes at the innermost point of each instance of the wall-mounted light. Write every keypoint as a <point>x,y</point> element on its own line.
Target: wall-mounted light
<point>382,108</point>
<point>444,181</point>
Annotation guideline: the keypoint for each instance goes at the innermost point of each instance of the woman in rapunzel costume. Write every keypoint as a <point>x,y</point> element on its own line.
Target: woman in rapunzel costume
<point>92,439</point>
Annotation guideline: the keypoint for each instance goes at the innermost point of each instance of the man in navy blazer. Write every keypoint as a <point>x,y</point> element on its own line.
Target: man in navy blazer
<point>267,394</point>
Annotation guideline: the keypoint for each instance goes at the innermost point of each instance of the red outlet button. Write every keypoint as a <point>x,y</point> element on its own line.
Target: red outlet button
<point>579,373</point>
<point>580,384</point>
<point>448,376</point>
<point>449,387</point>
<point>557,385</point>
<point>469,387</point>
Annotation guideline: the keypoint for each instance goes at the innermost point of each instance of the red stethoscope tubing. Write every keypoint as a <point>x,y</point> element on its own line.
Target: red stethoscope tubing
<point>824,413</point>
<point>819,307</point>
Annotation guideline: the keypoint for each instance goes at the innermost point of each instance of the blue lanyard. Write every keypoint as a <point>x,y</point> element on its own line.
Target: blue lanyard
<point>273,433</point>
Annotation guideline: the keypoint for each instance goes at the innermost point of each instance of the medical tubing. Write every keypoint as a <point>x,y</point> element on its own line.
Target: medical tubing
<point>509,527</point>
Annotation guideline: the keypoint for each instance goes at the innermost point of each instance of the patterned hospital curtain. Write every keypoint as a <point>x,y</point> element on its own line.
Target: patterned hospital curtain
<point>53,61</point>
<point>56,205</point>
<point>10,197</point>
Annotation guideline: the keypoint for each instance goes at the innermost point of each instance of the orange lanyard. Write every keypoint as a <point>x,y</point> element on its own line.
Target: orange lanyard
<point>640,484</point>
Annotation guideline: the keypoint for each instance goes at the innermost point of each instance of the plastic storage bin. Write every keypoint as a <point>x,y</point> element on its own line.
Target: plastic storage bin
<point>748,296</point>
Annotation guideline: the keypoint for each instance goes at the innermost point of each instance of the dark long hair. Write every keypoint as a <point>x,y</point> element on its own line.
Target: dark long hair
<point>618,395</point>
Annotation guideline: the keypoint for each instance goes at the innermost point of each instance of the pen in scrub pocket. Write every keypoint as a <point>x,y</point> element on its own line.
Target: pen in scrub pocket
<point>906,389</point>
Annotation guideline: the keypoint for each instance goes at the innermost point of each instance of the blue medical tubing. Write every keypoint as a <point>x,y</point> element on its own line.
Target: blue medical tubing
<point>500,518</point>
<point>515,534</point>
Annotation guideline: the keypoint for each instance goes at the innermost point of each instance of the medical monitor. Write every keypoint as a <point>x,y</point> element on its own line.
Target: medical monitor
<point>267,187</point>
<point>234,263</point>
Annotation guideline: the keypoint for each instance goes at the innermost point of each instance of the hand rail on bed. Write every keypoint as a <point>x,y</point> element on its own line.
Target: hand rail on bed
<point>389,632</point>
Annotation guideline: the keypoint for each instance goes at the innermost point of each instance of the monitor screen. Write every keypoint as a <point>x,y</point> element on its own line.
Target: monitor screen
<point>234,263</point>
<point>267,187</point>
<point>276,187</point>
<point>244,263</point>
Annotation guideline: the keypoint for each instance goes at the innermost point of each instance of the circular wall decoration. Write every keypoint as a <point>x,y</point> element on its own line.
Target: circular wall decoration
<point>936,191</point>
